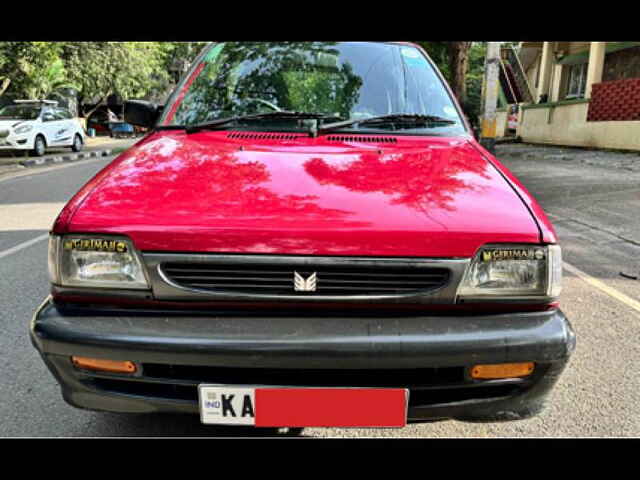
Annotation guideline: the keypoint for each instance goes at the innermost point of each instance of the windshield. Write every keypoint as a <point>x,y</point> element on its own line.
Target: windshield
<point>20,112</point>
<point>344,80</point>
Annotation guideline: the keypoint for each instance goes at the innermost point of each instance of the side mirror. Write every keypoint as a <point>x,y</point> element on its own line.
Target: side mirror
<point>141,113</point>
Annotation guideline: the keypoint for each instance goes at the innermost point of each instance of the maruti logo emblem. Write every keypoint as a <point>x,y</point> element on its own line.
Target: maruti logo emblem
<point>302,285</point>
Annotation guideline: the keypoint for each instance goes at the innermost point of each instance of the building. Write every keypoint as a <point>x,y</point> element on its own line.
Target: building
<point>574,93</point>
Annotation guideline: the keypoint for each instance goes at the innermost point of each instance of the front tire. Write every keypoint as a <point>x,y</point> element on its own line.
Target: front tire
<point>77,143</point>
<point>39,146</point>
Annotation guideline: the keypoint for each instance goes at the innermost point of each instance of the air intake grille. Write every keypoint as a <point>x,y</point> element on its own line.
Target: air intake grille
<point>278,279</point>
<point>263,136</point>
<point>360,138</point>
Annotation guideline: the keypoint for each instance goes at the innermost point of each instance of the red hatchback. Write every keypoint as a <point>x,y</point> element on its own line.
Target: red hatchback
<point>308,236</point>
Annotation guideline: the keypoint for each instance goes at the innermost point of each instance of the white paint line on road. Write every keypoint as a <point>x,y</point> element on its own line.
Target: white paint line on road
<point>594,282</point>
<point>23,245</point>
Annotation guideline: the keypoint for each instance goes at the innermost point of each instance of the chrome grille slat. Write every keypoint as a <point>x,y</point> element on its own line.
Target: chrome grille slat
<point>287,280</point>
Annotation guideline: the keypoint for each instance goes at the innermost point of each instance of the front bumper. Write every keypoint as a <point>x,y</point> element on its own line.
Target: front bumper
<point>430,355</point>
<point>17,142</point>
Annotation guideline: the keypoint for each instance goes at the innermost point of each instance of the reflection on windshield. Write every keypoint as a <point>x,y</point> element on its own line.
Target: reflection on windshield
<point>349,80</point>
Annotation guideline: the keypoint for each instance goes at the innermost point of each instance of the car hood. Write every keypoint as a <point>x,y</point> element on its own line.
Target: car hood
<point>289,194</point>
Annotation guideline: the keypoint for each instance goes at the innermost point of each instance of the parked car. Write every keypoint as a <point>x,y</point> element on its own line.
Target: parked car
<point>99,121</point>
<point>310,235</point>
<point>37,125</point>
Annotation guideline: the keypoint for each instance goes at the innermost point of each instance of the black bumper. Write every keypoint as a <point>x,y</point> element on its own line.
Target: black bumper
<point>430,355</point>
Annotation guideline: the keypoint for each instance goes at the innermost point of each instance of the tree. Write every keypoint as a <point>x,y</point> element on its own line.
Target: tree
<point>177,56</point>
<point>30,69</point>
<point>47,80</point>
<point>100,69</point>
<point>452,58</point>
<point>462,64</point>
<point>475,74</point>
<point>458,64</point>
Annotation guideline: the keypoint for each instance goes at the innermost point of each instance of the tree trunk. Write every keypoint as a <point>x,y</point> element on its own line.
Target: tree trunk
<point>4,84</point>
<point>458,64</point>
<point>96,106</point>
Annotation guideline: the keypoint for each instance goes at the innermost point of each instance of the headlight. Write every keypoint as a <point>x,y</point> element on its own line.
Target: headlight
<point>513,271</point>
<point>92,261</point>
<point>23,129</point>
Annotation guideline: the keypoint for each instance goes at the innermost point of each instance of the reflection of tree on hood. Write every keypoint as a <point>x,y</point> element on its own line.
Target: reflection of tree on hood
<point>297,76</point>
<point>419,180</point>
<point>227,186</point>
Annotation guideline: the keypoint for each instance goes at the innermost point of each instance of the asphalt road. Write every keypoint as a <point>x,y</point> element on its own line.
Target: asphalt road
<point>595,213</point>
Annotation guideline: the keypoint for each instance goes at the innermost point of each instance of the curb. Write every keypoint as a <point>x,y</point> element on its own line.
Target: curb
<point>41,161</point>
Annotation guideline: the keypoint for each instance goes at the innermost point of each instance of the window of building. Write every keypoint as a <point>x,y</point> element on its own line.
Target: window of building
<point>577,81</point>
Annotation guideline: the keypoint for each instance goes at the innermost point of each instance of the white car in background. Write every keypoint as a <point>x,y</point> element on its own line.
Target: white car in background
<point>38,125</point>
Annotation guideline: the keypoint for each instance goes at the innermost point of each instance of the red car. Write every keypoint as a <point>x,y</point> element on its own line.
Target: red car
<point>309,235</point>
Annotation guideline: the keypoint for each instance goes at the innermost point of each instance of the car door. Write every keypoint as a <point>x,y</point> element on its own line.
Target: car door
<point>62,127</point>
<point>50,125</point>
<point>70,126</point>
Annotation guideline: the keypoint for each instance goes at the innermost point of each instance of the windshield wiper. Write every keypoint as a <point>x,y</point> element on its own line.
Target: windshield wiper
<point>283,114</point>
<point>395,118</point>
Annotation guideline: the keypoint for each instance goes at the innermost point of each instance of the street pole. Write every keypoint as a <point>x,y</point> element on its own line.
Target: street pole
<point>490,96</point>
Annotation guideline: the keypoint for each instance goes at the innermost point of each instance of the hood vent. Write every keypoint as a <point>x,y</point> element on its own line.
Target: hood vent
<point>361,138</point>
<point>295,136</point>
<point>264,136</point>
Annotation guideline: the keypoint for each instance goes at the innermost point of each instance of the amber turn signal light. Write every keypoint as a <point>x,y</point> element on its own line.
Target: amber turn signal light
<point>502,370</point>
<point>104,365</point>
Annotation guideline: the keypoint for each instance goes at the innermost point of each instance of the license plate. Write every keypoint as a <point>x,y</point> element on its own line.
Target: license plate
<point>303,407</point>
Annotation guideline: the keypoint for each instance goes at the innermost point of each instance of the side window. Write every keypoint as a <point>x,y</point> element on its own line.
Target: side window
<point>47,115</point>
<point>63,114</point>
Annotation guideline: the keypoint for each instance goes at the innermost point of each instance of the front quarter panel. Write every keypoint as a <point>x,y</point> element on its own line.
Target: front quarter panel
<point>547,232</point>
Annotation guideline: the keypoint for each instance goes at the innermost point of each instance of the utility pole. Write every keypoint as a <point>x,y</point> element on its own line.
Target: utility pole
<point>490,87</point>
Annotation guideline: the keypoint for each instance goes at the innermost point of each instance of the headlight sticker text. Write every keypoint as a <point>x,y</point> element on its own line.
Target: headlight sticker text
<point>95,245</point>
<point>513,254</point>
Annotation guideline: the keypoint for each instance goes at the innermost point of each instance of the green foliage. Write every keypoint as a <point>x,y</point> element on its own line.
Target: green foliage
<point>33,68</point>
<point>284,79</point>
<point>438,51</point>
<point>129,69</point>
<point>475,74</point>
<point>95,69</point>
<point>140,69</point>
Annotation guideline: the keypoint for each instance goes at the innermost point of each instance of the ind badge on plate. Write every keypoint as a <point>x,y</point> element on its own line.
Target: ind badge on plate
<point>303,407</point>
<point>227,406</point>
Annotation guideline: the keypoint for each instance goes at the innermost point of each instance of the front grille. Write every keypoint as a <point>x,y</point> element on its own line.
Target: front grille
<point>279,279</point>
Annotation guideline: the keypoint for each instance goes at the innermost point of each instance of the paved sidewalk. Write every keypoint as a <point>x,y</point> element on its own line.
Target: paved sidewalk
<point>629,161</point>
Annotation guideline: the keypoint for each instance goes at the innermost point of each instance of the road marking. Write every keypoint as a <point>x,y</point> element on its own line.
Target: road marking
<point>23,245</point>
<point>612,292</point>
